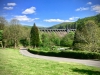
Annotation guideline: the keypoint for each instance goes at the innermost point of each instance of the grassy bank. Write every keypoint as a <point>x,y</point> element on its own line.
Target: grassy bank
<point>13,63</point>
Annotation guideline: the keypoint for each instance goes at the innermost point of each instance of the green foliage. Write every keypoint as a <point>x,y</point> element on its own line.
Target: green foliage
<point>24,42</point>
<point>67,40</point>
<point>1,35</point>
<point>25,39</point>
<point>87,36</point>
<point>55,39</point>
<point>12,34</point>
<point>45,40</point>
<point>2,23</point>
<point>68,54</point>
<point>70,25</point>
<point>49,39</point>
<point>97,19</point>
<point>15,31</point>
<point>34,36</point>
<point>1,26</point>
<point>1,38</point>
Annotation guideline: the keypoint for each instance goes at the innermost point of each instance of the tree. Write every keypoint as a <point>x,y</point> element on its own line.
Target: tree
<point>34,36</point>
<point>12,33</point>
<point>87,36</point>
<point>45,40</point>
<point>1,37</point>
<point>67,40</point>
<point>55,39</point>
<point>15,31</point>
<point>25,39</point>
<point>6,35</point>
<point>3,22</point>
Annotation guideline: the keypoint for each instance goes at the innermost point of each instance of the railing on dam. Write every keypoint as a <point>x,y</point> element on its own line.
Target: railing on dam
<point>57,30</point>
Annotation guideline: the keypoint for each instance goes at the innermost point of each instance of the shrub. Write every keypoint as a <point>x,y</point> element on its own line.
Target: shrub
<point>67,40</point>
<point>69,54</point>
<point>24,42</point>
<point>48,40</point>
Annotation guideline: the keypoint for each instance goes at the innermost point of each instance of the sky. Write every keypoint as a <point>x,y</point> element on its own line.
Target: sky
<point>46,13</point>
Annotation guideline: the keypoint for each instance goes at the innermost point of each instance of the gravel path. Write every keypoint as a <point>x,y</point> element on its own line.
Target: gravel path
<point>60,59</point>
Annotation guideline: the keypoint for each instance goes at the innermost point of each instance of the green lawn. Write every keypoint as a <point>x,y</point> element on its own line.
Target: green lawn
<point>13,63</point>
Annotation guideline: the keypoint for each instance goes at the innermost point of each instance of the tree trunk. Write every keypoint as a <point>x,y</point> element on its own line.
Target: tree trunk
<point>15,44</point>
<point>1,44</point>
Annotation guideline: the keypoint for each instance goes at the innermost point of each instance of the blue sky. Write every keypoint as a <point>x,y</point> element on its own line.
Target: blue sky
<point>47,13</point>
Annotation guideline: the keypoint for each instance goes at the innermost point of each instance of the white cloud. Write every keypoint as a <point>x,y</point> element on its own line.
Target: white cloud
<point>82,8</point>
<point>73,18</point>
<point>89,3</point>
<point>37,18</point>
<point>30,10</point>
<point>54,20</point>
<point>11,4</point>
<point>8,8</point>
<point>60,20</point>
<point>25,18</point>
<point>96,8</point>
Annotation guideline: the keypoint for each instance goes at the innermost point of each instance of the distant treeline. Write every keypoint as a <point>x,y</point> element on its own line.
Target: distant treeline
<point>69,25</point>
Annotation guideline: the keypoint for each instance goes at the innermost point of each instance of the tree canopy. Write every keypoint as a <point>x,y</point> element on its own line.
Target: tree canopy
<point>87,36</point>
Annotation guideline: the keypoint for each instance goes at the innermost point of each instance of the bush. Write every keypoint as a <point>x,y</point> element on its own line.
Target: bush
<point>67,40</point>
<point>69,54</point>
<point>24,42</point>
<point>49,39</point>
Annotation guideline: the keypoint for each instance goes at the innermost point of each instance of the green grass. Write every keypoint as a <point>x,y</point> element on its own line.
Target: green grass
<point>13,63</point>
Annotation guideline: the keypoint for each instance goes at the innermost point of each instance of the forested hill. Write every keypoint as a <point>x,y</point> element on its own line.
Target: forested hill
<point>95,18</point>
<point>27,26</point>
<point>64,25</point>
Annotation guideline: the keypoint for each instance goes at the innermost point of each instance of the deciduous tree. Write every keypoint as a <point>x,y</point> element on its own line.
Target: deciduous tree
<point>15,31</point>
<point>3,22</point>
<point>87,37</point>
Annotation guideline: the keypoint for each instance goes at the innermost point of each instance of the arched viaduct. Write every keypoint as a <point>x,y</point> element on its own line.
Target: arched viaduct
<point>60,32</point>
<point>56,30</point>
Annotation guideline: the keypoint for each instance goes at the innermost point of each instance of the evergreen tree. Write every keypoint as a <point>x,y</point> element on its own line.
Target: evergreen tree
<point>34,36</point>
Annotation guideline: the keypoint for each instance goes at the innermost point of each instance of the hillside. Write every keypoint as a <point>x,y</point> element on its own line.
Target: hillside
<point>73,25</point>
<point>95,18</point>
<point>27,26</point>
<point>63,25</point>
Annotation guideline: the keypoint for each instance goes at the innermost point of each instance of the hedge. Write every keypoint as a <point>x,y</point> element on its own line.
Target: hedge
<point>69,54</point>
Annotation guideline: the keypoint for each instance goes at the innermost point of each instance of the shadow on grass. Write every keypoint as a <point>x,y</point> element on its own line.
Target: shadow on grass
<point>84,71</point>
